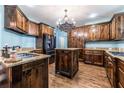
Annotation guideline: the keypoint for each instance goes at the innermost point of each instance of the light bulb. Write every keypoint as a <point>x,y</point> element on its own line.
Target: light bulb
<point>66,18</point>
<point>57,23</point>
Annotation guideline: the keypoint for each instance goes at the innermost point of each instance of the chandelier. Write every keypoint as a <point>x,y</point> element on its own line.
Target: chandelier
<point>66,24</point>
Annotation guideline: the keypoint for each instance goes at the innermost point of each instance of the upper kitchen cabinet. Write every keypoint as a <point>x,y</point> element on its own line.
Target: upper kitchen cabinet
<point>117,27</point>
<point>93,32</point>
<point>33,28</point>
<point>45,29</point>
<point>97,32</point>
<point>104,31</point>
<point>112,29</point>
<point>15,19</point>
<point>120,27</point>
<point>76,38</point>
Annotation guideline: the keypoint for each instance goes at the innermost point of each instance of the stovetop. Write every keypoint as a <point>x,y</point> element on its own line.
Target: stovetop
<point>118,53</point>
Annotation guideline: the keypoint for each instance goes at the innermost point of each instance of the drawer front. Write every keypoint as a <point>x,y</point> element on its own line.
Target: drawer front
<point>121,65</point>
<point>98,52</point>
<point>32,64</point>
<point>88,52</point>
<point>88,59</point>
<point>121,77</point>
<point>98,59</point>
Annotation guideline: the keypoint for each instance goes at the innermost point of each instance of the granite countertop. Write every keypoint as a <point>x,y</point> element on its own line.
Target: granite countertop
<point>67,48</point>
<point>108,51</point>
<point>94,49</point>
<point>25,60</point>
<point>119,57</point>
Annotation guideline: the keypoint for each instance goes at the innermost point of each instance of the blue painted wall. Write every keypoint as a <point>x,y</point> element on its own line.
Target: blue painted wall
<point>12,38</point>
<point>105,44</point>
<point>60,34</point>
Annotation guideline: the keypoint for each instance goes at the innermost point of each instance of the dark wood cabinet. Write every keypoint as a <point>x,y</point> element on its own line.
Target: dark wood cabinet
<point>29,75</point>
<point>17,21</point>
<point>94,57</point>
<point>21,21</point>
<point>67,62</point>
<point>113,31</point>
<point>45,29</point>
<point>97,32</point>
<point>75,38</point>
<point>104,31</point>
<point>14,19</point>
<point>110,66</point>
<point>117,27</point>
<point>88,58</point>
<point>81,55</point>
<point>120,27</point>
<point>33,28</point>
<point>120,73</point>
<point>98,58</point>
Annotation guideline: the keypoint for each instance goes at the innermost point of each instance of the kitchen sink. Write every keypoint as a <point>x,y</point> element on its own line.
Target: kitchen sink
<point>25,55</point>
<point>117,53</point>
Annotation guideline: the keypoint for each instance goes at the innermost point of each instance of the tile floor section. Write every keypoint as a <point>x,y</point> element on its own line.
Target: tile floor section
<point>88,76</point>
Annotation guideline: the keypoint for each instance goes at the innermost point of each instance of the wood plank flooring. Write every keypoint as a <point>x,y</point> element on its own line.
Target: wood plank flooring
<point>88,76</point>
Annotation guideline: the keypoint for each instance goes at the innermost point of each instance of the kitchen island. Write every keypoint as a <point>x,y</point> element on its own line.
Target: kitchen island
<point>67,61</point>
<point>30,71</point>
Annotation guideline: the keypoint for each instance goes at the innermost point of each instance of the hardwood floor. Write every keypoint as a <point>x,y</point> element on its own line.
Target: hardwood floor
<point>88,76</point>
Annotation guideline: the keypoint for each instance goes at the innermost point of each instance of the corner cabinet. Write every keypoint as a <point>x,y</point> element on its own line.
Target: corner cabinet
<point>14,19</point>
<point>94,57</point>
<point>110,66</point>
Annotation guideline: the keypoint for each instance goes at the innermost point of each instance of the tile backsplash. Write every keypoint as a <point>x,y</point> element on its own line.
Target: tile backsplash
<point>109,45</point>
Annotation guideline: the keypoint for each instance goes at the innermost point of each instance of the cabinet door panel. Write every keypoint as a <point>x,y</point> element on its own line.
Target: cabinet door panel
<point>75,61</point>
<point>120,27</point>
<point>88,58</point>
<point>64,62</point>
<point>98,59</point>
<point>19,20</point>
<point>37,77</point>
<point>113,29</point>
<point>104,31</point>
<point>121,77</point>
<point>26,78</point>
<point>33,28</point>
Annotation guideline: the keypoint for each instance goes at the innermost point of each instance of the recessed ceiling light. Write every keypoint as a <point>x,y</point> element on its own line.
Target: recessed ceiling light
<point>93,15</point>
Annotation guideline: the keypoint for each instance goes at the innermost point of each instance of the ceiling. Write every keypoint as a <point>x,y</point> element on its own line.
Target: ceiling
<point>49,14</point>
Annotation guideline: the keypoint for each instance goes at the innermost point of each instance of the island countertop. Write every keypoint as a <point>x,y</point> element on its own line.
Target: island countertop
<point>24,60</point>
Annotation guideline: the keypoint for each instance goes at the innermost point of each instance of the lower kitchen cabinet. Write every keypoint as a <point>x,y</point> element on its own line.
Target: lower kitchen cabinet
<point>98,59</point>
<point>29,75</point>
<point>110,66</point>
<point>94,57</point>
<point>120,73</point>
